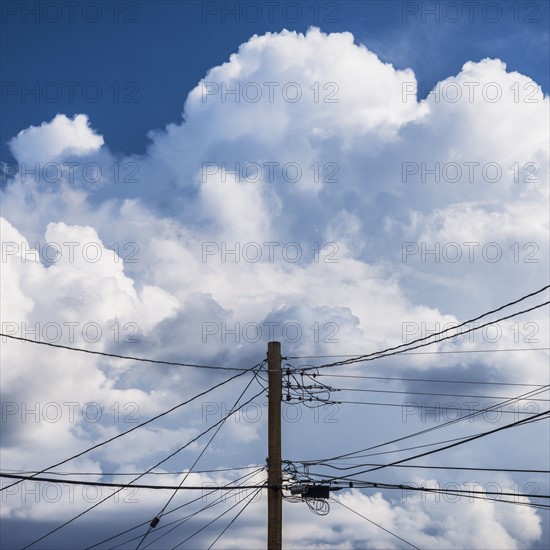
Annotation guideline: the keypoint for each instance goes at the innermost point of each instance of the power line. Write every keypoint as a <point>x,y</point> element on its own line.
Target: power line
<point>374,523</point>
<point>325,462</point>
<point>358,484</point>
<point>380,485</point>
<point>207,525</point>
<point>421,352</point>
<point>472,382</point>
<point>467,440</point>
<point>486,498</point>
<point>140,476</point>
<point>258,488</point>
<point>425,467</point>
<point>351,454</point>
<point>393,451</point>
<point>385,486</point>
<point>157,518</point>
<point>404,403</point>
<point>116,356</point>
<point>96,446</point>
<point>124,485</point>
<point>433,394</point>
<point>460,493</point>
<point>324,389</point>
<point>242,478</point>
<point>250,500</point>
<point>353,467</point>
<point>179,521</point>
<point>175,524</point>
<point>346,457</point>
<point>105,474</point>
<point>384,351</point>
<point>381,354</point>
<point>183,520</point>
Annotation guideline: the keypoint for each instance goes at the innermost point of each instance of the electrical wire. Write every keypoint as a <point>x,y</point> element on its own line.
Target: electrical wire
<point>353,467</point>
<point>180,521</point>
<point>469,494</point>
<point>121,485</point>
<point>355,455</point>
<point>205,526</point>
<point>405,403</point>
<point>370,356</point>
<point>323,463</point>
<point>138,477</point>
<point>435,380</point>
<point>334,499</point>
<point>312,395</point>
<point>97,445</point>
<point>242,478</point>
<point>303,393</point>
<point>380,355</point>
<point>250,500</point>
<point>380,485</point>
<point>461,495</point>
<point>159,515</point>
<point>351,454</point>
<point>175,524</point>
<point>425,467</point>
<point>467,440</point>
<point>116,356</point>
<point>421,352</point>
<point>105,474</point>
<point>434,394</point>
<point>306,394</point>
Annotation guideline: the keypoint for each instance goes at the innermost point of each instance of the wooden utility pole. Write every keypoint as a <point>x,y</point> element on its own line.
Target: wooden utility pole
<point>274,476</point>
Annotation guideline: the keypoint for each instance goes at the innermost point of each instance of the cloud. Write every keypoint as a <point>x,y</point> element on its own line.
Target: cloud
<point>51,140</point>
<point>280,217</point>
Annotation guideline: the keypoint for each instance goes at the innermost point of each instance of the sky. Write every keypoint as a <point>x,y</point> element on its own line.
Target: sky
<point>186,181</point>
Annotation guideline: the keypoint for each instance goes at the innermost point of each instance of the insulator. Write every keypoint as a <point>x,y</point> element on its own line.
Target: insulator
<point>154,522</point>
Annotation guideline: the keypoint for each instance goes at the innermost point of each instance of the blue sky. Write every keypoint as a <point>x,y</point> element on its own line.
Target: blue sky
<point>107,52</point>
<point>336,206</point>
